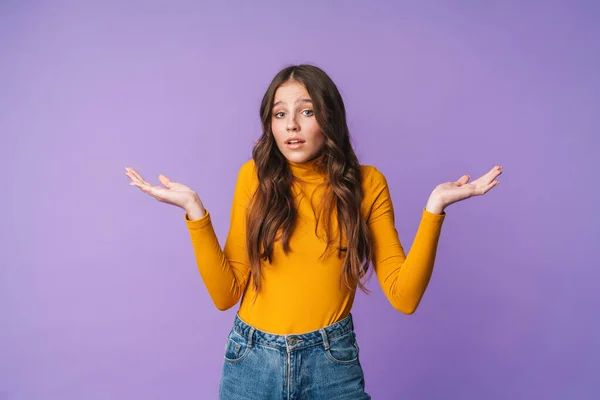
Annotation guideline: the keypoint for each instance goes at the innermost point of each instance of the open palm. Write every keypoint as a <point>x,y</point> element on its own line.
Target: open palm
<point>173,193</point>
<point>452,192</point>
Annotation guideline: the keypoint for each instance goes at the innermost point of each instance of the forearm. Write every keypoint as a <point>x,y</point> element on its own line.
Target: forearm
<point>404,278</point>
<point>224,280</point>
<point>416,271</point>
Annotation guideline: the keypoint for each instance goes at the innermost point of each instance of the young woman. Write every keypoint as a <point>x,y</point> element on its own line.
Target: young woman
<point>307,221</point>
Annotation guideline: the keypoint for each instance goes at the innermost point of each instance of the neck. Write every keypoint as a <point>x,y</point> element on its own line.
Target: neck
<point>306,170</point>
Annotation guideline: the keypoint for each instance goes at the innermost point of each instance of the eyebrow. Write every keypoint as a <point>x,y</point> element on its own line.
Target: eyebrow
<point>297,101</point>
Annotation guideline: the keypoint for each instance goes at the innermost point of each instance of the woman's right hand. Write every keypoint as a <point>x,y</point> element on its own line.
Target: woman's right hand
<point>173,193</point>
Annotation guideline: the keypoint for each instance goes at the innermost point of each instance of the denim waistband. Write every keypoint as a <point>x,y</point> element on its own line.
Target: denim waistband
<point>294,341</point>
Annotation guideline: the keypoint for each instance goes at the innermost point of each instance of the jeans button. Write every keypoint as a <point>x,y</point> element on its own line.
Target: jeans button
<point>292,341</point>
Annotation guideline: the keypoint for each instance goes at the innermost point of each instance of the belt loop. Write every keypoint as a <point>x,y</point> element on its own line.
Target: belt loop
<point>325,339</point>
<point>250,335</point>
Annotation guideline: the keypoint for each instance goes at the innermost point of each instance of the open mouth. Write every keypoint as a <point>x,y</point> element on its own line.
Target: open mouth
<point>295,144</point>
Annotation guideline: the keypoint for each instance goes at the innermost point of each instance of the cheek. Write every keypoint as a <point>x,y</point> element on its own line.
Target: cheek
<point>277,128</point>
<point>321,139</point>
<point>313,128</point>
<point>318,134</point>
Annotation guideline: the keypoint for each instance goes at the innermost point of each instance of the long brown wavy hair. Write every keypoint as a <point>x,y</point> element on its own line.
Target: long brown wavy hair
<point>272,214</point>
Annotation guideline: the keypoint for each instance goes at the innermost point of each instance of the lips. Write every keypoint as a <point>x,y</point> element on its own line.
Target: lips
<point>294,145</point>
<point>294,141</point>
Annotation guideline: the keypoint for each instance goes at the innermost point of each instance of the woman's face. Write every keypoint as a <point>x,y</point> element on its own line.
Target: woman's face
<point>294,125</point>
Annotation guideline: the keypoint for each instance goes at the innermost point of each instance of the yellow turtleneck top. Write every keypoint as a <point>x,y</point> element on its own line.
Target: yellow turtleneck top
<point>301,292</point>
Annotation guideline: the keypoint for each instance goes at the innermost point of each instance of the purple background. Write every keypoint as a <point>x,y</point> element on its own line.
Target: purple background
<point>99,293</point>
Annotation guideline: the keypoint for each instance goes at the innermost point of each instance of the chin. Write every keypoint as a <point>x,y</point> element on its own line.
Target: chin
<point>298,157</point>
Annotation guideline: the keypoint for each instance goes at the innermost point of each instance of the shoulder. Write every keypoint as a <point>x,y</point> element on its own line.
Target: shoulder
<point>247,179</point>
<point>375,189</point>
<point>372,178</point>
<point>247,169</point>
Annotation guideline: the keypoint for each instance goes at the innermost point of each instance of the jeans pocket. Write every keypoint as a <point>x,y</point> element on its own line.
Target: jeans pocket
<point>343,350</point>
<point>236,348</point>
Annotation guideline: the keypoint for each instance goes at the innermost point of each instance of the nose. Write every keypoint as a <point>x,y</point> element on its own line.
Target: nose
<point>292,124</point>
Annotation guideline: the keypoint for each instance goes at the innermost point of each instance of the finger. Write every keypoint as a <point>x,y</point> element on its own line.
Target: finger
<point>489,177</point>
<point>497,170</point>
<point>489,187</point>
<point>143,187</point>
<point>165,181</point>
<point>463,180</point>
<point>132,177</point>
<point>138,176</point>
<point>149,190</point>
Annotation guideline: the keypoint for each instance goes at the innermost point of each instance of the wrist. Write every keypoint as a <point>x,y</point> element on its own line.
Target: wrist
<point>195,210</point>
<point>435,205</point>
<point>194,214</point>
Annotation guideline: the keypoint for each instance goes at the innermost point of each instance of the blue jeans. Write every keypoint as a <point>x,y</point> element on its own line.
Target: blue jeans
<point>321,364</point>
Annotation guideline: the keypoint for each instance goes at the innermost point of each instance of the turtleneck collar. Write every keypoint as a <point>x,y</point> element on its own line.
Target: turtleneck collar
<point>306,171</point>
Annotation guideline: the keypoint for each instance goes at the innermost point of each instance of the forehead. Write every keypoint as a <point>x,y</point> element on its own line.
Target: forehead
<point>290,91</point>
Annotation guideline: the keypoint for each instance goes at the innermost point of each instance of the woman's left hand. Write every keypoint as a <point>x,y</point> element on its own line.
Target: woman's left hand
<point>451,192</point>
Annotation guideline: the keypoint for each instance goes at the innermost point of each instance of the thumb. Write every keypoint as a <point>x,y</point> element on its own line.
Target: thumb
<point>164,180</point>
<point>463,180</point>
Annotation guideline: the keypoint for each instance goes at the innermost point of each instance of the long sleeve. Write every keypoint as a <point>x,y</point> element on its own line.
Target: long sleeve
<point>402,278</point>
<point>225,272</point>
